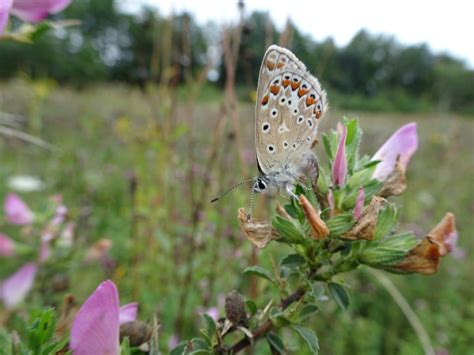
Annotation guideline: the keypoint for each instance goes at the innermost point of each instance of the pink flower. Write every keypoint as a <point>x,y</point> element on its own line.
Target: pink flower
<point>96,328</point>
<point>128,313</point>
<point>17,212</point>
<point>213,312</point>
<point>359,206</point>
<point>15,288</point>
<point>403,143</point>
<point>30,10</point>
<point>339,167</point>
<point>7,246</point>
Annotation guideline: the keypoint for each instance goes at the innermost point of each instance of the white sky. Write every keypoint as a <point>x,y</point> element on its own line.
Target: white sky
<point>446,26</point>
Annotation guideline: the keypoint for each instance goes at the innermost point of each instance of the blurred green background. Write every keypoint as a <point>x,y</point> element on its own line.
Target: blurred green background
<point>149,121</point>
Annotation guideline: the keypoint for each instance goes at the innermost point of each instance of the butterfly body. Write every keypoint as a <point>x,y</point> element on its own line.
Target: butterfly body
<point>290,103</point>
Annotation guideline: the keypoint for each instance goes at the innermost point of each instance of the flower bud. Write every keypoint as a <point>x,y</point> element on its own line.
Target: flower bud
<point>359,205</point>
<point>365,226</point>
<point>339,167</point>
<point>235,308</point>
<point>319,230</point>
<point>259,233</point>
<point>138,332</point>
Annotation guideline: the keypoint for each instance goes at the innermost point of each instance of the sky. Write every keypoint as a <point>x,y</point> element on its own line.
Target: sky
<point>445,26</point>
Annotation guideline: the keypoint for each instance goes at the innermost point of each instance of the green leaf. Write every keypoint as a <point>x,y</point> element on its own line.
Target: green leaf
<point>41,331</point>
<point>386,220</point>
<point>251,306</point>
<point>260,272</point>
<point>309,337</point>
<point>291,210</point>
<point>388,251</point>
<point>180,349</point>
<point>276,343</point>
<point>200,346</point>
<point>279,318</point>
<point>340,224</point>
<point>307,311</point>
<point>354,134</point>
<point>125,347</point>
<point>209,330</point>
<point>317,291</point>
<point>324,180</point>
<point>340,295</point>
<point>288,230</point>
<point>292,261</point>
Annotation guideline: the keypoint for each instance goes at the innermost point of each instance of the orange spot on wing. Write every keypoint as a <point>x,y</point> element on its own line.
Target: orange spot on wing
<point>294,85</point>
<point>265,100</point>
<point>302,92</point>
<point>310,101</point>
<point>286,83</point>
<point>318,115</point>
<point>274,89</point>
<point>270,65</point>
<point>280,65</point>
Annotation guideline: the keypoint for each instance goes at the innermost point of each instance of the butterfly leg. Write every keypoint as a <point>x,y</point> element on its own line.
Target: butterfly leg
<point>290,192</point>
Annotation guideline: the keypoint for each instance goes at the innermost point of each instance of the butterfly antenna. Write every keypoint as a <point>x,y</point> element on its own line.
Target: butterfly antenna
<point>230,189</point>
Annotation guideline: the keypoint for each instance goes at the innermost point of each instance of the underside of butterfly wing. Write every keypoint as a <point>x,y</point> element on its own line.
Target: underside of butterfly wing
<point>290,104</point>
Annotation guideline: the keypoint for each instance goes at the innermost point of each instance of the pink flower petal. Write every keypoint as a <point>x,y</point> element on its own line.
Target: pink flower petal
<point>128,313</point>
<point>403,143</point>
<point>339,167</point>
<point>7,246</point>
<point>95,329</point>
<point>5,6</point>
<point>37,10</point>
<point>14,289</point>
<point>213,312</point>
<point>359,206</point>
<point>45,247</point>
<point>17,212</point>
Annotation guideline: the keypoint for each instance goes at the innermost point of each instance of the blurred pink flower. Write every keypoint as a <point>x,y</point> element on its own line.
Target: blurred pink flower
<point>14,289</point>
<point>96,328</point>
<point>359,206</point>
<point>29,10</point>
<point>403,143</point>
<point>339,167</point>
<point>173,341</point>
<point>213,312</point>
<point>45,247</point>
<point>16,211</point>
<point>7,246</point>
<point>128,313</point>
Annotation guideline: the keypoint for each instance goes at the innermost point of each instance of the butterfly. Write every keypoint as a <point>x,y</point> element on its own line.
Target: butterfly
<point>290,104</point>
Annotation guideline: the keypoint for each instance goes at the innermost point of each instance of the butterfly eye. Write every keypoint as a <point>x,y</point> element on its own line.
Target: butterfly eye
<point>261,184</point>
<point>270,148</point>
<point>300,120</point>
<point>265,127</point>
<point>274,112</point>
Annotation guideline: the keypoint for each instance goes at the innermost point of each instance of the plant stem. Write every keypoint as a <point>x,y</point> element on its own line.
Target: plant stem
<point>262,330</point>
<point>406,309</point>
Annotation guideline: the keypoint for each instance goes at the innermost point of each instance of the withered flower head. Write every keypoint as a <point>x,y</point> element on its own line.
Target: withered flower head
<point>396,181</point>
<point>365,226</point>
<point>260,233</point>
<point>138,332</point>
<point>445,234</point>
<point>319,230</point>
<point>423,258</point>
<point>235,308</point>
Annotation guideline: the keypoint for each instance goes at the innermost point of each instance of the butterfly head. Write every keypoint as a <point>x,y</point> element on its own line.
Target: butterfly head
<point>260,185</point>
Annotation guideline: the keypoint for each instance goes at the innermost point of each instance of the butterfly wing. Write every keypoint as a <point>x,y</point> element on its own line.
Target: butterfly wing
<point>290,103</point>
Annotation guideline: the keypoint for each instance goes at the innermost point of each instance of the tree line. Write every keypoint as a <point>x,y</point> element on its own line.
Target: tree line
<point>372,71</point>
